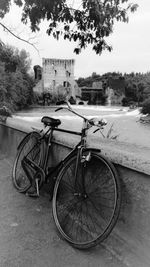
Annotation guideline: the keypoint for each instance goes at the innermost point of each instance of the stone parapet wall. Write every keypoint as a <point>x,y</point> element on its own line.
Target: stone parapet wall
<point>128,155</point>
<point>130,239</point>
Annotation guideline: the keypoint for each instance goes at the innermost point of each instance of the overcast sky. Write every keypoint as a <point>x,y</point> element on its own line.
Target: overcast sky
<point>130,41</point>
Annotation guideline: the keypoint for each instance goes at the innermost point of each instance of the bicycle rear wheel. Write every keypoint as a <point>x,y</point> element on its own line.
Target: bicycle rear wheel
<point>86,212</point>
<point>34,149</point>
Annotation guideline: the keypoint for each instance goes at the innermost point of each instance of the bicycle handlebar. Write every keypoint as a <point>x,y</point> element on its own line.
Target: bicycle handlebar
<point>92,122</point>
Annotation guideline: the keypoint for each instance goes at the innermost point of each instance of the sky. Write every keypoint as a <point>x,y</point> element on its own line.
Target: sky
<point>130,42</point>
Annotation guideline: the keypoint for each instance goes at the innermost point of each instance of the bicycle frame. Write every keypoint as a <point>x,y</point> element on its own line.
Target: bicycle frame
<point>58,166</point>
<point>84,186</point>
<point>79,147</point>
<point>45,171</point>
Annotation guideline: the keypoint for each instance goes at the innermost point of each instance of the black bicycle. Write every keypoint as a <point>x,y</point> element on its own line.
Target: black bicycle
<point>86,195</point>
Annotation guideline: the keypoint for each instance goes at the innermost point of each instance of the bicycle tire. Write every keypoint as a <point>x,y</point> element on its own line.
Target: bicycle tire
<point>19,177</point>
<point>86,221</point>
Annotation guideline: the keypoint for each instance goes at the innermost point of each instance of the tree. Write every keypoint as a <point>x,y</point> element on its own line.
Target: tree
<point>90,23</point>
<point>137,86</point>
<point>146,107</point>
<point>15,82</point>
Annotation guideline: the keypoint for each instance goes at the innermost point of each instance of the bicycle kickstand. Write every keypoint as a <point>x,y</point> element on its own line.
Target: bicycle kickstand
<point>37,187</point>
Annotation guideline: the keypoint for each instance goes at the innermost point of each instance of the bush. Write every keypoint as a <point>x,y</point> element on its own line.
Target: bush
<point>15,83</point>
<point>10,106</point>
<point>126,101</point>
<point>56,97</point>
<point>146,107</point>
<point>72,100</point>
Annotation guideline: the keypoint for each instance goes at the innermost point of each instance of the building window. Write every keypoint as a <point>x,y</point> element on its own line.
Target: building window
<point>54,83</point>
<point>67,84</point>
<point>68,73</point>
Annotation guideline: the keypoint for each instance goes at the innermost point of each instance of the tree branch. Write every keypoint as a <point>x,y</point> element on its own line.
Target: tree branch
<point>19,38</point>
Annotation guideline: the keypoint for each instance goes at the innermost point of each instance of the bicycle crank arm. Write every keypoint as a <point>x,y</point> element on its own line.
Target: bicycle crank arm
<point>34,167</point>
<point>25,168</point>
<point>31,164</point>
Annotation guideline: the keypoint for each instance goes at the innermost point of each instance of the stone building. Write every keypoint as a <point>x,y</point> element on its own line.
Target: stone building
<point>95,94</point>
<point>38,88</point>
<point>57,77</point>
<point>59,73</point>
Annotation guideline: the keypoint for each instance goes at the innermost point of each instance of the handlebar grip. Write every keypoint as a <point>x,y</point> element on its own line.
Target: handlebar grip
<point>58,109</point>
<point>96,130</point>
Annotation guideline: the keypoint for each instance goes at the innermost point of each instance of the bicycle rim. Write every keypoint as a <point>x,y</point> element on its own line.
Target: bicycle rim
<point>86,216</point>
<point>34,151</point>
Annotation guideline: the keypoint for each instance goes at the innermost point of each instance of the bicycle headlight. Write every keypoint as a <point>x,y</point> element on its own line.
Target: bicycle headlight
<point>98,122</point>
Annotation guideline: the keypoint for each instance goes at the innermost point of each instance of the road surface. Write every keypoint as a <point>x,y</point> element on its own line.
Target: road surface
<point>28,237</point>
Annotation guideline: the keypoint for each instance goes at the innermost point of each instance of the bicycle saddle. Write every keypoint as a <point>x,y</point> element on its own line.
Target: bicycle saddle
<point>48,121</point>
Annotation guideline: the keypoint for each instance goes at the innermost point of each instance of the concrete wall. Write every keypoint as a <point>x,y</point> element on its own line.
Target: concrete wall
<point>130,240</point>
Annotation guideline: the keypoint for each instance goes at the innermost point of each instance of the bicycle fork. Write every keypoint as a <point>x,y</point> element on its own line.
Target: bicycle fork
<point>82,159</point>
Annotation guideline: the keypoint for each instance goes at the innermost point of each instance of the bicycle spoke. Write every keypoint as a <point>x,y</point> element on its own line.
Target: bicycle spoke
<point>93,223</point>
<point>88,227</point>
<point>68,207</point>
<point>67,187</point>
<point>88,212</point>
<point>101,212</point>
<point>69,174</point>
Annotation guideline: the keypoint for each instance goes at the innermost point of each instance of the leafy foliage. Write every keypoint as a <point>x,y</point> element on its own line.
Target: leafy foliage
<point>110,134</point>
<point>137,85</point>
<point>57,96</point>
<point>89,24</point>
<point>15,82</point>
<point>4,7</point>
<point>146,107</point>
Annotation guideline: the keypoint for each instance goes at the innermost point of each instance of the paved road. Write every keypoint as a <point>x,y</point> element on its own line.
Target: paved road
<point>28,237</point>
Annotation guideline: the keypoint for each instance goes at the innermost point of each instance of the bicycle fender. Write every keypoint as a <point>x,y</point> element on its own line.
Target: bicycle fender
<point>20,144</point>
<point>93,149</point>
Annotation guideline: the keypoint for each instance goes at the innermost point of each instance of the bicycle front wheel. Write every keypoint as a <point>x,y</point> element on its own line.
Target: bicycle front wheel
<point>31,147</point>
<point>86,208</point>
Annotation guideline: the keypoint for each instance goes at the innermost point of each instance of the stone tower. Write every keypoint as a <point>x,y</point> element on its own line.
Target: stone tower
<point>58,74</point>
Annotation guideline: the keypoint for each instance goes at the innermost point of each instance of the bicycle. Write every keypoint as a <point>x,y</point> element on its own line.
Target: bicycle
<point>86,188</point>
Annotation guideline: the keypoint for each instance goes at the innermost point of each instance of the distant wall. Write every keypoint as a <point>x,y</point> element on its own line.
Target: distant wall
<point>130,240</point>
